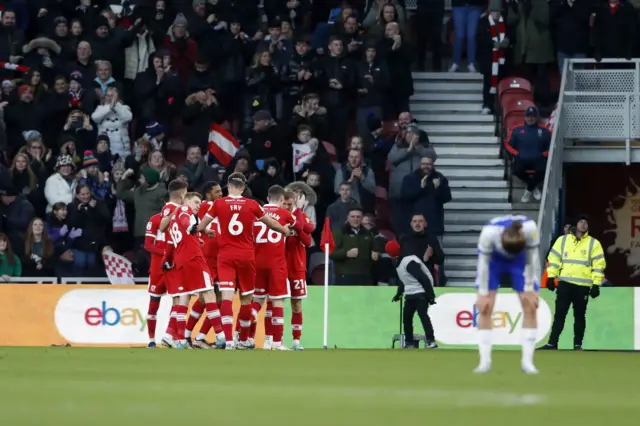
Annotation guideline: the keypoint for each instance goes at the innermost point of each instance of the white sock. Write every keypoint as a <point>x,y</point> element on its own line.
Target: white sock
<point>484,346</point>
<point>528,345</point>
<point>200,336</point>
<point>187,333</point>
<point>220,335</point>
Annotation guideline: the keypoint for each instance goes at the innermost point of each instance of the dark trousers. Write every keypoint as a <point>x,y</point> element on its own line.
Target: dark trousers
<point>567,295</point>
<point>538,75</point>
<point>488,98</point>
<point>416,303</point>
<point>428,26</point>
<point>530,172</point>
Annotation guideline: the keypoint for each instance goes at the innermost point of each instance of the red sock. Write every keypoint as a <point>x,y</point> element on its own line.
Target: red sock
<point>226,311</point>
<point>172,326</point>
<point>213,318</point>
<point>296,325</point>
<point>181,320</point>
<point>245,322</point>
<point>277,324</point>
<point>196,312</point>
<point>268,313</point>
<point>154,305</point>
<point>255,309</point>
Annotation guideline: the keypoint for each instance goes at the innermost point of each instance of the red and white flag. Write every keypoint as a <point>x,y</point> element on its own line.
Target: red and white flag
<point>118,268</point>
<point>301,156</point>
<point>222,144</point>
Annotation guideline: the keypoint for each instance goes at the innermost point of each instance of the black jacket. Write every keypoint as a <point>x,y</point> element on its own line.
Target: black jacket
<point>399,63</point>
<point>571,25</point>
<point>340,68</point>
<point>92,220</point>
<point>293,87</point>
<point>376,88</point>
<point>262,85</point>
<point>415,243</point>
<point>614,34</point>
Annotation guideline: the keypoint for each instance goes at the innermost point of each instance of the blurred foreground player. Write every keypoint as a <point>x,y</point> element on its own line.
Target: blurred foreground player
<point>234,217</point>
<point>184,254</point>
<point>508,254</point>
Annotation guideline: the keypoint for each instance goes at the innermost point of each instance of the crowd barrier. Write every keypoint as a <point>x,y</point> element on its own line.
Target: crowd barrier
<point>359,317</point>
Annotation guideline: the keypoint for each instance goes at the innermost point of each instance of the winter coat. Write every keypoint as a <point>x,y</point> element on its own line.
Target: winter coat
<point>146,200</point>
<point>533,44</point>
<point>375,90</point>
<point>404,162</point>
<point>293,87</point>
<point>136,56</point>
<point>362,190</point>
<point>92,220</point>
<point>184,53</point>
<point>429,200</point>
<point>58,190</point>
<point>113,121</point>
<point>262,85</point>
<point>571,26</point>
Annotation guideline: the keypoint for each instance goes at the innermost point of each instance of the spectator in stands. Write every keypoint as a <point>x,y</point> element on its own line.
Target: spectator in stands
<point>10,265</point>
<point>83,65</point>
<point>267,177</point>
<point>375,12</point>
<point>11,39</point>
<point>338,211</point>
<point>428,29</point>
<point>263,140</point>
<point>201,110</point>
<point>147,198</point>
<point>383,269</point>
<point>181,46</point>
<point>299,76</point>
<point>351,40</point>
<point>38,259</point>
<point>198,168</point>
<point>263,78</point>
<point>113,117</point>
<point>87,219</point>
<point>492,43</point>
<point>421,243</point>
<point>22,116</point>
<point>398,56</point>
<point>613,28</point>
<point>58,232</point>
<point>27,183</point>
<point>466,15</point>
<point>166,169</point>
<point>530,23</point>
<point>157,90</point>
<point>372,82</point>
<point>318,161</point>
<point>388,14</point>
<point>15,214</point>
<point>429,191</point>
<point>91,176</point>
<point>61,185</point>
<point>311,114</point>
<point>104,78</point>
<point>361,178</point>
<point>78,128</point>
<point>411,145</point>
<point>570,20</point>
<point>529,145</point>
<point>354,252</point>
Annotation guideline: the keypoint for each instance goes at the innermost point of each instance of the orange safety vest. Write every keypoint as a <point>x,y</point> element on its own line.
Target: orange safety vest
<point>543,281</point>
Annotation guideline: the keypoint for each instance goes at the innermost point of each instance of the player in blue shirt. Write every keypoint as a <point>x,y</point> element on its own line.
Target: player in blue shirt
<point>508,253</point>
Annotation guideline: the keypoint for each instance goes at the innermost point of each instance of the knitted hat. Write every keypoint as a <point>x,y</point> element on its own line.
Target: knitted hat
<point>152,176</point>
<point>101,21</point>
<point>76,76</point>
<point>89,160</point>
<point>103,137</point>
<point>64,160</point>
<point>180,20</point>
<point>392,248</point>
<point>59,20</point>
<point>31,136</point>
<point>153,129</point>
<point>8,84</point>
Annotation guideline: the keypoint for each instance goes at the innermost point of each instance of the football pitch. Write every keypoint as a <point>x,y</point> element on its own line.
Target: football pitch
<point>87,386</point>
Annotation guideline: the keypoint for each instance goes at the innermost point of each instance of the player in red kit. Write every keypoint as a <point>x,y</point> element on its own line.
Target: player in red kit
<point>212,191</point>
<point>184,254</point>
<point>296,201</point>
<point>234,218</point>
<point>155,244</point>
<point>177,191</point>
<point>271,265</point>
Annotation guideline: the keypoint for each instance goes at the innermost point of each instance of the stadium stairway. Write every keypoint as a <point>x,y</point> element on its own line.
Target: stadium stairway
<point>447,106</point>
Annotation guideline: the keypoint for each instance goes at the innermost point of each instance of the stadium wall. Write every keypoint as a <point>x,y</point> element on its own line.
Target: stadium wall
<point>359,317</point>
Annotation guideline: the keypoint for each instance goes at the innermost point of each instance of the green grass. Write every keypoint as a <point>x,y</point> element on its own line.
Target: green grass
<point>83,386</point>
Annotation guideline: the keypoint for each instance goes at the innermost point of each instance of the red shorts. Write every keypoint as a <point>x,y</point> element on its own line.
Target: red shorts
<point>157,285</point>
<point>240,272</point>
<point>213,269</point>
<point>298,284</point>
<point>192,278</point>
<point>272,282</point>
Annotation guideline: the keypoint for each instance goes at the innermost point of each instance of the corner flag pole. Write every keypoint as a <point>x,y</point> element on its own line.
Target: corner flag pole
<point>326,295</point>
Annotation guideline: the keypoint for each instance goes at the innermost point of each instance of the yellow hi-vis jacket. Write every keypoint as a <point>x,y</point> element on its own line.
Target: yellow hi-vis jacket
<point>578,261</point>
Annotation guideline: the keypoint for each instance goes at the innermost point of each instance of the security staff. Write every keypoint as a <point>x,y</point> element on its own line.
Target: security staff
<point>576,262</point>
<point>416,283</point>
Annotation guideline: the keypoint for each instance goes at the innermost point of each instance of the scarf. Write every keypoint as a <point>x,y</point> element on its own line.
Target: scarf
<point>75,98</point>
<point>14,67</point>
<point>120,218</point>
<point>497,35</point>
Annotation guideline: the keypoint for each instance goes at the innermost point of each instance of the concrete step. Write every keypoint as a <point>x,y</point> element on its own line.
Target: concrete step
<point>480,194</point>
<point>456,262</point>
<point>475,151</point>
<point>464,227</point>
<point>454,172</point>
<point>484,184</point>
<point>460,282</point>
<point>435,107</point>
<point>457,274</point>
<point>469,163</point>
<point>461,251</point>
<point>466,206</point>
<point>459,117</point>
<point>459,130</point>
<point>469,216</point>
<point>447,76</point>
<point>472,86</point>
<point>469,239</point>
<point>473,98</point>
<point>463,140</point>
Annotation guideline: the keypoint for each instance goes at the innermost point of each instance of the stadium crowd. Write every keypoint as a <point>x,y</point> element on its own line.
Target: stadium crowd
<point>104,102</point>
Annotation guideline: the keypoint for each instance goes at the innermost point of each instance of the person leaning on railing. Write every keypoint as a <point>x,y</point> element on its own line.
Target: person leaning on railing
<point>576,269</point>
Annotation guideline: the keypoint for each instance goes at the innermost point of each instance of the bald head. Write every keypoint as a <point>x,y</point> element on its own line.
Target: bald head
<point>392,29</point>
<point>84,50</point>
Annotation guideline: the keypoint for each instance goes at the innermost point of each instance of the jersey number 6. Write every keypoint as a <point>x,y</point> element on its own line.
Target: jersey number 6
<point>235,227</point>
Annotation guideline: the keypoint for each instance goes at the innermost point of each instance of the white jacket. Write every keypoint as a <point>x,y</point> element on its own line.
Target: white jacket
<point>136,56</point>
<point>113,122</point>
<point>58,190</point>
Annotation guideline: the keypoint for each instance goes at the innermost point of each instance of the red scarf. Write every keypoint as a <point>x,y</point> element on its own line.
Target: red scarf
<point>497,35</point>
<point>14,67</point>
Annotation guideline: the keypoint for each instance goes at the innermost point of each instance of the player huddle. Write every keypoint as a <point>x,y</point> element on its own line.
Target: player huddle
<point>214,247</point>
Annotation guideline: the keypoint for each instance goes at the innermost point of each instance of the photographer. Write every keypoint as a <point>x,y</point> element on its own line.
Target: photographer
<point>87,219</point>
<point>416,283</point>
<point>311,114</point>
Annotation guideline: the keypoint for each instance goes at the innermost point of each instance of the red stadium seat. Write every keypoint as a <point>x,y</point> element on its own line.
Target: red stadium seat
<point>381,193</point>
<point>513,88</point>
<point>331,150</point>
<point>513,113</point>
<point>317,275</point>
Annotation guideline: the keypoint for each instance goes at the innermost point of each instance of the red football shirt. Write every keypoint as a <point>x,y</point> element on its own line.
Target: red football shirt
<point>297,251</point>
<point>270,244</point>
<point>234,217</point>
<point>167,211</point>
<point>186,246</point>
<point>155,243</point>
<point>210,248</point>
